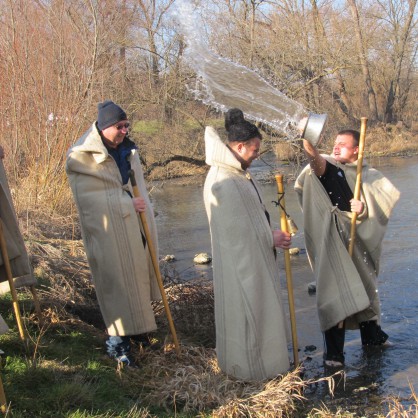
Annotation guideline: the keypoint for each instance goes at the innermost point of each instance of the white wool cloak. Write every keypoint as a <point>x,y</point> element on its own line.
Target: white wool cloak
<point>121,268</point>
<point>346,287</point>
<point>251,337</point>
<point>3,326</point>
<point>16,250</point>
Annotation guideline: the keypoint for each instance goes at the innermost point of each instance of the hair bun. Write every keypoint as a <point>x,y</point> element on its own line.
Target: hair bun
<point>238,128</point>
<point>233,117</point>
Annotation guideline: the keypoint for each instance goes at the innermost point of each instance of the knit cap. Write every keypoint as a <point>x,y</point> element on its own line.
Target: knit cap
<point>109,114</point>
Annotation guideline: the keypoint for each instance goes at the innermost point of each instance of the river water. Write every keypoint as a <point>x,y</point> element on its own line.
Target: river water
<point>371,375</point>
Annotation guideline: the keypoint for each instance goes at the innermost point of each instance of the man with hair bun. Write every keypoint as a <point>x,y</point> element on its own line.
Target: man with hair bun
<point>251,337</point>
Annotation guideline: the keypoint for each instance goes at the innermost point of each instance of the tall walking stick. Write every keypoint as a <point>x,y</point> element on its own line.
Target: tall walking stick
<point>9,276</point>
<point>357,189</point>
<point>285,227</point>
<point>155,263</point>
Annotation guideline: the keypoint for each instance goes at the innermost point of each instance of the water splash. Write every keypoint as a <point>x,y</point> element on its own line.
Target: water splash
<point>224,84</point>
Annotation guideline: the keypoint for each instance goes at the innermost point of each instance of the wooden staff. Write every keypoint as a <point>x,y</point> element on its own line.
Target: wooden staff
<point>357,189</point>
<point>284,227</point>
<point>8,270</point>
<point>155,263</point>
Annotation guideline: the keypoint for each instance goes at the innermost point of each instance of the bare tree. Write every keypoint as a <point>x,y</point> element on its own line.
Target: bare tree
<point>404,47</point>
<point>60,58</point>
<point>51,65</point>
<point>370,94</point>
<point>340,94</point>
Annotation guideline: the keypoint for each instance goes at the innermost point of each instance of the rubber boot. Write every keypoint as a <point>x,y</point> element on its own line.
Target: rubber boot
<point>372,334</point>
<point>334,344</point>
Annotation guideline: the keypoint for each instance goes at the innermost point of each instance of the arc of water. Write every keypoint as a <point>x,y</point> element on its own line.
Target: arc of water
<point>224,84</point>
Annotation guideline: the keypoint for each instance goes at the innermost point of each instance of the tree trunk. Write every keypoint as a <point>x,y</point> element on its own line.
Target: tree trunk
<point>400,48</point>
<point>342,98</point>
<point>370,96</point>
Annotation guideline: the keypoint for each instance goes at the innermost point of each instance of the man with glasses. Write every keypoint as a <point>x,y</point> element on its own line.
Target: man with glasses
<point>347,296</point>
<point>98,167</point>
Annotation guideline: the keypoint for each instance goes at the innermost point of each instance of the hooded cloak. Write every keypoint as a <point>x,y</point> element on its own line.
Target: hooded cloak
<point>16,250</point>
<point>3,326</point>
<point>251,337</point>
<point>121,267</point>
<point>346,286</point>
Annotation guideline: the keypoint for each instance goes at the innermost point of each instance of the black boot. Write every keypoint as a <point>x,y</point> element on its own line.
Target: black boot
<point>372,334</point>
<point>334,346</point>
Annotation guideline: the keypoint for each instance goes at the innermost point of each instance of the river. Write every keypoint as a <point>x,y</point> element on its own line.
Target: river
<point>371,375</point>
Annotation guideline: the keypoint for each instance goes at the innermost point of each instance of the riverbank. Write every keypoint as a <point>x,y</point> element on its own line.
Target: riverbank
<point>65,372</point>
<point>382,142</point>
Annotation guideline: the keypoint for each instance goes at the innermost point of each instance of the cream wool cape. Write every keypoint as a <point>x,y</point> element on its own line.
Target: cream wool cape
<point>251,337</point>
<point>16,250</point>
<point>121,268</point>
<point>346,287</point>
<point>3,326</point>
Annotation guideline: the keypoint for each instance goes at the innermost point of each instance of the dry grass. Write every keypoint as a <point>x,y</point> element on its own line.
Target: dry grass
<point>385,141</point>
<point>399,410</point>
<point>287,151</point>
<point>325,412</point>
<point>192,307</point>
<point>193,382</point>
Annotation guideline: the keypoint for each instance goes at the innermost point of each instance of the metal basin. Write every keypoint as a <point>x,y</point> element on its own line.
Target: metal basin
<point>314,127</point>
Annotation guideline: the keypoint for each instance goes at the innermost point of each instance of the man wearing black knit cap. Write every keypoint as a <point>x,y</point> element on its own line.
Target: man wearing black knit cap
<point>98,167</point>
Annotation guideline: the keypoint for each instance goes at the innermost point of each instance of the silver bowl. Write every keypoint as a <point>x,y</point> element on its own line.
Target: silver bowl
<point>314,127</point>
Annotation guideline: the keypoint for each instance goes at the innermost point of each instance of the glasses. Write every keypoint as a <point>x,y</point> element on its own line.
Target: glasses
<point>121,126</point>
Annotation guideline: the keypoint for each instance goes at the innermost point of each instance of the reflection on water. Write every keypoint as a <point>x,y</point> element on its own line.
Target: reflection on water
<point>183,231</point>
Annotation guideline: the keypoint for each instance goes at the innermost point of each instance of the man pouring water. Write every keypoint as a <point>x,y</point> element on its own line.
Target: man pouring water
<point>347,296</point>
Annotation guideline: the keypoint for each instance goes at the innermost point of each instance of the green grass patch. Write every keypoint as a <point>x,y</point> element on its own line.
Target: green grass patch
<point>153,127</point>
<point>148,127</point>
<point>68,375</point>
<point>62,371</point>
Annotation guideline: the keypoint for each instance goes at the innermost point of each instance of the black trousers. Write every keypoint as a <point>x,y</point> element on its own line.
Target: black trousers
<point>371,334</point>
